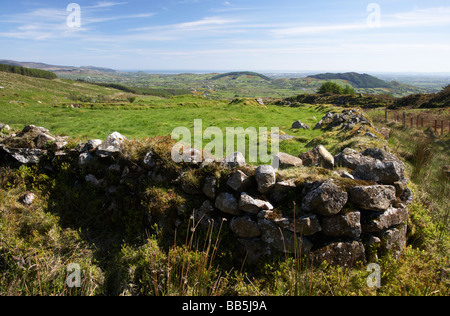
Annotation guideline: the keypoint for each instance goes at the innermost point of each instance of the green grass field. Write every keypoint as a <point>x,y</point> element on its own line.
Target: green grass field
<point>47,103</point>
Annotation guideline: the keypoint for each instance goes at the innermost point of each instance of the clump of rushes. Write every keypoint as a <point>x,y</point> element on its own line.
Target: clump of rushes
<point>422,156</point>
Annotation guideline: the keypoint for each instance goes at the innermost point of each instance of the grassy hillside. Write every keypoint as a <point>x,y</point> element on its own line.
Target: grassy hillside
<point>51,104</point>
<point>424,101</point>
<point>36,73</point>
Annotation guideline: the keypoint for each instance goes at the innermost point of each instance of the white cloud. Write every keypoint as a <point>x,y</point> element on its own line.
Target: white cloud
<point>316,29</point>
<point>107,4</point>
<point>204,28</point>
<point>51,23</point>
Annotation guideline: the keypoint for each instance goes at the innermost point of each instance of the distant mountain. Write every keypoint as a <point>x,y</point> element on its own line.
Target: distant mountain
<point>356,79</point>
<point>59,69</point>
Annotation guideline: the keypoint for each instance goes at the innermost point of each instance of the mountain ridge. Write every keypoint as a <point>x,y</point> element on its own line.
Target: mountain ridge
<point>57,69</point>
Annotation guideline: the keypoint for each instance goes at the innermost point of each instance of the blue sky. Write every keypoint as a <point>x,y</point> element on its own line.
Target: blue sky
<point>263,35</point>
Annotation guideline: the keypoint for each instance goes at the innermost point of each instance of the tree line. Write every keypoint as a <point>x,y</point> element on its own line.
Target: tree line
<point>29,72</point>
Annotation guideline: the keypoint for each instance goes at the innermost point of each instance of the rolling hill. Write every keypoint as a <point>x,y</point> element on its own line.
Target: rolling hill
<point>241,73</point>
<point>356,79</point>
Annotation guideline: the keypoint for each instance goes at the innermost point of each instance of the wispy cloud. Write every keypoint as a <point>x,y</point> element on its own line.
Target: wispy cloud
<point>230,7</point>
<point>415,18</point>
<point>208,27</point>
<point>107,4</point>
<point>51,23</point>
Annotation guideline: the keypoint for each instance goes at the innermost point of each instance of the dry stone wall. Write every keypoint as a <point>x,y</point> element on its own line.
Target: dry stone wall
<point>354,214</point>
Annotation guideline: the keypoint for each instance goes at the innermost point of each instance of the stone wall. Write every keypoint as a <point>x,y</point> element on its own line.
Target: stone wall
<point>342,209</point>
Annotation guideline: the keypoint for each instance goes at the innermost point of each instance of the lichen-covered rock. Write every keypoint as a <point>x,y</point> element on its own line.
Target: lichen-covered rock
<point>346,224</point>
<point>344,254</point>
<point>376,222</point>
<point>374,197</point>
<point>227,203</point>
<point>281,189</point>
<point>319,156</point>
<point>238,181</point>
<point>32,129</point>
<point>305,225</point>
<point>379,166</point>
<point>85,159</point>
<point>266,178</point>
<point>253,206</point>
<point>393,241</point>
<point>234,160</point>
<point>25,155</point>
<point>326,199</point>
<point>209,187</point>
<point>245,227</point>
<point>373,164</point>
<point>348,158</point>
<point>43,139</point>
<point>111,145</point>
<point>285,161</point>
<point>281,239</point>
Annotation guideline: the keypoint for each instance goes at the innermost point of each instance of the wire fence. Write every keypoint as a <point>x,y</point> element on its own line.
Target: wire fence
<point>440,125</point>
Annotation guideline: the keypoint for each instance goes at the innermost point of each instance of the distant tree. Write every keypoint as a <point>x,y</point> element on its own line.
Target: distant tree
<point>348,90</point>
<point>330,87</point>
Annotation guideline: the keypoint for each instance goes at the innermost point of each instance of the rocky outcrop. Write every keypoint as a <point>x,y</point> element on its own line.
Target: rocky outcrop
<point>345,120</point>
<point>338,220</point>
<point>299,125</point>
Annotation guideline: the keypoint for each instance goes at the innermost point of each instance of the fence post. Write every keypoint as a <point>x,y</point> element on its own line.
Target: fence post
<point>412,119</point>
<point>435,126</point>
<point>442,128</point>
<point>417,123</point>
<point>404,119</point>
<point>386,116</point>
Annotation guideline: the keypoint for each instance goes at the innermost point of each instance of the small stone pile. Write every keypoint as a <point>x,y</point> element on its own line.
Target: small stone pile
<point>30,145</point>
